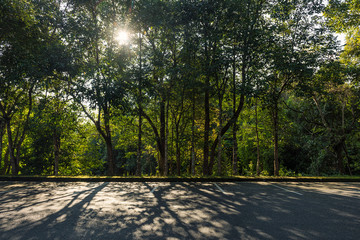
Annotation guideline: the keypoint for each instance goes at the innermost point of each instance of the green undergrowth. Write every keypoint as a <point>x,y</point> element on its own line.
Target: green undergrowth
<point>335,177</point>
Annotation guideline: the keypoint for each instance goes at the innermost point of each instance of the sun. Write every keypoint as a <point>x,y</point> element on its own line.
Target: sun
<point>122,37</point>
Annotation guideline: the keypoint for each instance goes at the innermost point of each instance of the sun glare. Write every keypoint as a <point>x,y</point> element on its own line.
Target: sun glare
<point>122,37</point>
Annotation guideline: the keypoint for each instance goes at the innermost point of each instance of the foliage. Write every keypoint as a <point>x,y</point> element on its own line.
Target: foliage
<point>199,88</point>
<point>343,16</point>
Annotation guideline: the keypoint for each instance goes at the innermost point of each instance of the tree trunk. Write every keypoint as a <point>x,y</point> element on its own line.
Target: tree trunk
<point>258,170</point>
<point>19,143</point>
<point>108,142</point>
<point>110,157</point>
<point>234,128</point>
<point>138,157</point>
<point>177,146</point>
<point>206,170</point>
<point>235,116</point>
<point>207,128</point>
<point>13,163</point>
<point>5,169</point>
<point>166,163</point>
<point>159,142</point>
<point>162,149</point>
<point>16,144</point>
<point>224,130</point>
<point>235,151</point>
<point>178,163</point>
<point>162,163</point>
<point>276,141</point>
<point>349,160</point>
<point>193,138</point>
<point>2,130</point>
<point>56,153</point>
<point>341,145</point>
<point>220,138</point>
<point>339,156</point>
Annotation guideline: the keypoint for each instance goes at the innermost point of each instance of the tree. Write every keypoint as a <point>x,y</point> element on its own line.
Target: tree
<point>248,40</point>
<point>162,53</point>
<point>101,75</point>
<point>206,87</point>
<point>27,43</point>
<point>294,54</point>
<point>335,100</point>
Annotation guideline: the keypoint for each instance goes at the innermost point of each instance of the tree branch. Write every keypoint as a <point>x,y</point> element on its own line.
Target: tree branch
<point>153,127</point>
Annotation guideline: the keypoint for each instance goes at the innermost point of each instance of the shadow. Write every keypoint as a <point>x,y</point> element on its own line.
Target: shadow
<point>57,225</point>
<point>180,211</point>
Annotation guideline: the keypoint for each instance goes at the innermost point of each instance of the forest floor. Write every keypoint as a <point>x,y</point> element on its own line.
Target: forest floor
<point>179,210</point>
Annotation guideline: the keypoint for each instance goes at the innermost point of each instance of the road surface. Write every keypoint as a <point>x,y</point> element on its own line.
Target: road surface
<point>239,210</point>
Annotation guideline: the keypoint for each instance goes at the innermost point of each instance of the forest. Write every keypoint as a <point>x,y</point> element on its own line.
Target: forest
<point>179,87</point>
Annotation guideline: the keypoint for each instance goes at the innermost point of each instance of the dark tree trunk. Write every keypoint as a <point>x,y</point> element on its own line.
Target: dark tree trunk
<point>2,130</point>
<point>339,156</point>
<point>162,163</point>
<point>178,154</point>
<point>206,170</point>
<point>234,128</point>
<point>11,147</point>
<point>275,139</point>
<point>57,142</point>
<point>258,164</point>
<point>235,116</point>
<point>108,142</point>
<point>110,157</point>
<point>193,138</point>
<point>5,170</point>
<point>225,129</point>
<point>162,167</point>
<point>159,142</point>
<point>166,143</point>
<point>15,144</point>
<point>220,138</point>
<point>235,158</point>
<point>177,146</point>
<point>139,144</point>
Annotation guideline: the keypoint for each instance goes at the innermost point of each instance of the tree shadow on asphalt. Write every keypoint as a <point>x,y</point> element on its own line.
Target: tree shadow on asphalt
<point>51,227</point>
<point>179,211</point>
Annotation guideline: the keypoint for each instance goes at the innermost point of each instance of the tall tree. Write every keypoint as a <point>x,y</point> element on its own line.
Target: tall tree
<point>100,83</point>
<point>247,34</point>
<point>294,54</point>
<point>28,43</point>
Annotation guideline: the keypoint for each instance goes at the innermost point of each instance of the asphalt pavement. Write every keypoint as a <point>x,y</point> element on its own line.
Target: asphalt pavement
<point>190,210</point>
